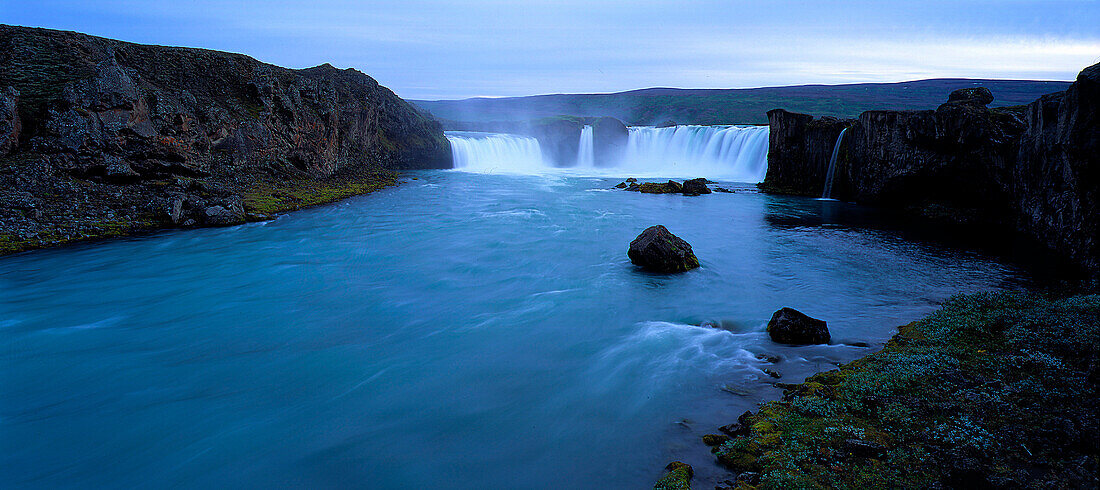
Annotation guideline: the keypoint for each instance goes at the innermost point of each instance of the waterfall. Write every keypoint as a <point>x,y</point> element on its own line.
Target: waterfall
<point>734,153</point>
<point>493,153</point>
<point>586,153</point>
<point>831,173</point>
<point>729,152</point>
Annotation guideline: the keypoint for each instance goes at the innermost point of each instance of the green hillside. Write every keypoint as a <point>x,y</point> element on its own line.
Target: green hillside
<point>735,106</point>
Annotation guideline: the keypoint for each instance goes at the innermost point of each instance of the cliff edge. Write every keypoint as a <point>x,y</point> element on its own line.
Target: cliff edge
<point>101,137</point>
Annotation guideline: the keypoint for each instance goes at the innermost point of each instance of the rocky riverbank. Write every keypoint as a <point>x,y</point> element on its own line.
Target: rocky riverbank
<point>1031,169</point>
<point>996,390</point>
<point>104,138</point>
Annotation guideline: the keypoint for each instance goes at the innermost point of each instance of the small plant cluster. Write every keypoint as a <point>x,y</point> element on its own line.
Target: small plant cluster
<point>994,390</point>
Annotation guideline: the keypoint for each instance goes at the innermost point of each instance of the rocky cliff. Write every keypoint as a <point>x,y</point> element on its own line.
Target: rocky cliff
<point>101,137</point>
<point>799,148</point>
<point>1030,168</point>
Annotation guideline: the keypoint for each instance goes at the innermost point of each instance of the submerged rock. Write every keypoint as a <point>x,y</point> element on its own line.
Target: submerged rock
<point>656,249</point>
<point>678,477</point>
<point>790,326</point>
<point>621,185</point>
<point>695,187</point>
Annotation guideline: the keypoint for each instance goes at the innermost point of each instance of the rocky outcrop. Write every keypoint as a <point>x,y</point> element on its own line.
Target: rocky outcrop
<point>1055,179</point>
<point>121,136</point>
<point>1032,168</point>
<point>695,187</point>
<point>559,138</point>
<point>658,250</point>
<point>799,147</point>
<point>790,326</point>
<point>670,187</point>
<point>609,136</point>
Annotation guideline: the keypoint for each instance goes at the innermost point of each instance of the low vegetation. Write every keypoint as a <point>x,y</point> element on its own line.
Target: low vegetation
<point>994,390</point>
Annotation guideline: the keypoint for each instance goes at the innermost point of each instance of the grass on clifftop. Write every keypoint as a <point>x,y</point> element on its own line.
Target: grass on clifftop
<point>994,390</point>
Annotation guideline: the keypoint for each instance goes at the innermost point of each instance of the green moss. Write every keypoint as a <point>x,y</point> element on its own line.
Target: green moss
<point>678,477</point>
<point>995,389</point>
<point>268,198</point>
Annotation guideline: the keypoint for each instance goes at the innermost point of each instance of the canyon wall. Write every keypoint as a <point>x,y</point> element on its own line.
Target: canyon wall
<point>101,135</point>
<point>1031,168</point>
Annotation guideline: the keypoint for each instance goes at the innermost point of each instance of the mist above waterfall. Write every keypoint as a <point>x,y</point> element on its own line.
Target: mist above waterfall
<point>737,153</point>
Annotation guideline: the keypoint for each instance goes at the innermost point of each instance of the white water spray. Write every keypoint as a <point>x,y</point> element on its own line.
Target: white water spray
<point>831,173</point>
<point>737,153</point>
<point>586,149</point>
<point>495,153</point>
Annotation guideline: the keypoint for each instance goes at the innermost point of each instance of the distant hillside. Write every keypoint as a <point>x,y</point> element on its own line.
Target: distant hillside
<point>735,106</point>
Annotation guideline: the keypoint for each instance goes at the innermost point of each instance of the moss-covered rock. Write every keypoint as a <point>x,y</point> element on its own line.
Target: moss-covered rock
<point>678,477</point>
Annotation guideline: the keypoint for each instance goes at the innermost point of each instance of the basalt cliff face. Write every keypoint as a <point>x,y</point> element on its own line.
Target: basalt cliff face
<point>101,137</point>
<point>1032,168</point>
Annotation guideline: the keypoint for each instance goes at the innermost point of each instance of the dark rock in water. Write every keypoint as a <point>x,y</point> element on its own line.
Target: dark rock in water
<point>670,187</point>
<point>723,189</point>
<point>634,188</point>
<point>621,185</point>
<point>790,326</point>
<point>979,96</point>
<point>739,428</point>
<point>656,249</point>
<point>772,358</point>
<point>773,374</point>
<point>715,439</point>
<point>609,137</point>
<point>678,477</point>
<point>631,179</point>
<point>695,187</point>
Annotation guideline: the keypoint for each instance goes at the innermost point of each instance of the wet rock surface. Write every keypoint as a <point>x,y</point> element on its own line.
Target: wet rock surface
<point>658,250</point>
<point>790,326</point>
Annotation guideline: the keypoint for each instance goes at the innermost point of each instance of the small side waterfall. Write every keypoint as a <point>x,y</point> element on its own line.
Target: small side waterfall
<point>586,152</point>
<point>831,173</point>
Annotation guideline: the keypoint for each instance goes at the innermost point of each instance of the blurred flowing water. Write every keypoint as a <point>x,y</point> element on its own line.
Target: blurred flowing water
<point>462,330</point>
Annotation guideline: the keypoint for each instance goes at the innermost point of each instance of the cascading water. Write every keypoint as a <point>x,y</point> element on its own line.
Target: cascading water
<point>496,153</point>
<point>737,153</point>
<point>586,149</point>
<point>730,152</point>
<point>831,173</point>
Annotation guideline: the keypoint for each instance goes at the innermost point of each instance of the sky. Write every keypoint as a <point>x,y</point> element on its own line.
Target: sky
<point>451,49</point>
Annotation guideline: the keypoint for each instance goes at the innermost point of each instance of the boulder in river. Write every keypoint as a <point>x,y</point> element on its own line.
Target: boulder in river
<point>670,187</point>
<point>658,250</point>
<point>790,326</point>
<point>678,477</point>
<point>695,187</point>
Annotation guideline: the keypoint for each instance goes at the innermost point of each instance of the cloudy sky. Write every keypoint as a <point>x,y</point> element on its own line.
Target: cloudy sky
<point>452,49</point>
